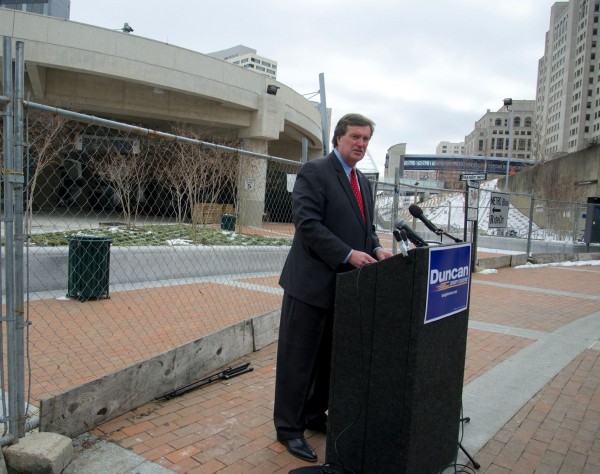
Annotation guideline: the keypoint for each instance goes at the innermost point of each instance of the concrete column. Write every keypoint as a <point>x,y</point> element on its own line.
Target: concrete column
<point>253,183</point>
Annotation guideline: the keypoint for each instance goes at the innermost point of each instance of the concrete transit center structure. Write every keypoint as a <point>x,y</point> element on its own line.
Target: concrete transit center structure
<point>126,78</point>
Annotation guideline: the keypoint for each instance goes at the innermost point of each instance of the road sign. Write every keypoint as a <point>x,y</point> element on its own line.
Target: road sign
<point>250,184</point>
<point>473,177</point>
<point>472,200</point>
<point>499,205</point>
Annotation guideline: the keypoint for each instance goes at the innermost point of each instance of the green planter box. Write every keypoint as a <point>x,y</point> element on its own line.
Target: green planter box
<point>89,267</point>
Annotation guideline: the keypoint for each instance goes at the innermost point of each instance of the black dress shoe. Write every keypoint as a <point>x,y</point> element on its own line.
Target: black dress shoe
<point>300,448</point>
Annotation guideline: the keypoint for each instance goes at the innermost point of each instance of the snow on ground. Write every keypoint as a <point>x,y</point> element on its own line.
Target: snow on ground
<point>446,210</point>
<point>587,263</point>
<point>179,242</point>
<point>500,251</point>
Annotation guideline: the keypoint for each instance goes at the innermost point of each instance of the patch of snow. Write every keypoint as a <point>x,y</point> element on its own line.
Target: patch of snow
<point>488,271</point>
<point>174,242</point>
<point>588,263</point>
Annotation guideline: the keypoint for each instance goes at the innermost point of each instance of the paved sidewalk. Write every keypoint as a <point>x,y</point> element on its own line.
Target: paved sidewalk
<point>532,391</point>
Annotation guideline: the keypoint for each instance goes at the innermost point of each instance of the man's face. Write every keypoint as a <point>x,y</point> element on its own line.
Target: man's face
<point>353,144</point>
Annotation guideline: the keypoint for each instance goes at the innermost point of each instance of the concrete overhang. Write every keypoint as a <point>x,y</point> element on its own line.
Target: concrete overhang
<point>123,76</point>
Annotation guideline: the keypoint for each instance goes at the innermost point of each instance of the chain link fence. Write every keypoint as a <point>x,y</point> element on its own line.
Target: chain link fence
<point>130,239</point>
<point>532,225</point>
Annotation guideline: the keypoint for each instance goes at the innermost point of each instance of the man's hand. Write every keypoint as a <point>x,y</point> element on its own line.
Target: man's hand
<point>358,259</point>
<point>382,254</point>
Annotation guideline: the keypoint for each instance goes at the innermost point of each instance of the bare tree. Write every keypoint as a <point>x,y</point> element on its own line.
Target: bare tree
<point>127,172</point>
<point>205,174</point>
<point>49,139</point>
<point>169,173</point>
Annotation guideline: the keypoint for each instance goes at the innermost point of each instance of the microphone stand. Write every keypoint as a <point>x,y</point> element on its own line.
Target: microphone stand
<point>442,232</point>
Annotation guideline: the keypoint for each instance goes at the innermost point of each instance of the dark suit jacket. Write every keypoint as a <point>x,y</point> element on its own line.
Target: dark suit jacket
<point>328,225</point>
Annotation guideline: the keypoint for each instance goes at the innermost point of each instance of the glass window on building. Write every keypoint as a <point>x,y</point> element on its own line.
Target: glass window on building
<point>31,6</point>
<point>55,8</point>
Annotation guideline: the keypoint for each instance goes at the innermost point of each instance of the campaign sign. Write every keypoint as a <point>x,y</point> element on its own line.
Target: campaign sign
<point>449,281</point>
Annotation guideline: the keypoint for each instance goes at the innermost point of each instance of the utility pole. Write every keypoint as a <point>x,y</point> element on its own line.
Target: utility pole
<point>323,110</point>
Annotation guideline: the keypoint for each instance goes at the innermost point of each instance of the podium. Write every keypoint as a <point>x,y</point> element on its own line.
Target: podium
<point>399,344</point>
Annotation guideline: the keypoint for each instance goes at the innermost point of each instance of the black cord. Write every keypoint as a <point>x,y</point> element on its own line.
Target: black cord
<point>460,468</point>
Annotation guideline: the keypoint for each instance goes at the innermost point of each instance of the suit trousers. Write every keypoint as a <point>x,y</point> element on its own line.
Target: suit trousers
<point>303,367</point>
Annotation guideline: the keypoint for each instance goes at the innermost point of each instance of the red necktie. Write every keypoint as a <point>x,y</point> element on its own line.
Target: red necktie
<point>357,195</point>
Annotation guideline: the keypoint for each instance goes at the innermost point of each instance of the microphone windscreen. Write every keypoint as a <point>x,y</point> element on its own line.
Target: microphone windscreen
<point>415,210</point>
<point>399,223</point>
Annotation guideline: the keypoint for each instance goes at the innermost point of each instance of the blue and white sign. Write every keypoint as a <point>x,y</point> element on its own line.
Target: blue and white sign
<point>449,281</point>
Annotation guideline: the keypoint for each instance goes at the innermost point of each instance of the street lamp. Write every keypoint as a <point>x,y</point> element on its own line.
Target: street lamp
<point>508,104</point>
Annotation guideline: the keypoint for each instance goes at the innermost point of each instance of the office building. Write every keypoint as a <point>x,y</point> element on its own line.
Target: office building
<point>450,148</point>
<point>491,135</point>
<point>247,58</point>
<point>393,159</point>
<point>56,8</point>
<point>568,86</point>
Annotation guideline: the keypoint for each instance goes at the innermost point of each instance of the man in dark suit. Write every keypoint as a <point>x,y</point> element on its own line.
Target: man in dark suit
<point>334,233</point>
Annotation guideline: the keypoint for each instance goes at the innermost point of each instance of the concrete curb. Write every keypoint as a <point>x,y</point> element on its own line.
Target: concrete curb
<point>502,261</point>
<point>494,262</point>
<point>563,257</point>
<point>39,453</point>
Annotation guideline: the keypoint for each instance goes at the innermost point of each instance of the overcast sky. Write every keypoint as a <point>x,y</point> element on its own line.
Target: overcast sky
<point>423,70</point>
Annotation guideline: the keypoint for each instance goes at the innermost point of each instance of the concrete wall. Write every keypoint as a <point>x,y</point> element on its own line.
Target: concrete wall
<point>557,179</point>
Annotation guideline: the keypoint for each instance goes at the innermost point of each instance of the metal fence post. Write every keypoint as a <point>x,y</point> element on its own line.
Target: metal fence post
<point>575,226</point>
<point>530,228</point>
<point>18,241</point>
<point>9,176</point>
<point>395,207</point>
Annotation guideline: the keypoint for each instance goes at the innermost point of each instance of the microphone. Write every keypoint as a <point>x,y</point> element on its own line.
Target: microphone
<point>417,213</point>
<point>417,241</point>
<point>403,243</point>
<point>400,236</point>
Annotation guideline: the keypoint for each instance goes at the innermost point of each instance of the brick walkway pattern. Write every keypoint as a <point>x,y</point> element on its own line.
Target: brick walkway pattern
<point>226,427</point>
